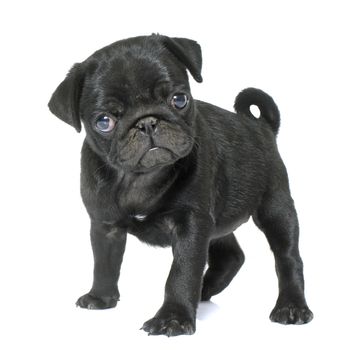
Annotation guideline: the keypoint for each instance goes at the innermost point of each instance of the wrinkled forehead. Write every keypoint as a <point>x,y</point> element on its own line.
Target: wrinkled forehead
<point>135,75</point>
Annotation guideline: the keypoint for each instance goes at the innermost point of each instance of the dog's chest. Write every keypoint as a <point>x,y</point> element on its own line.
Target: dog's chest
<point>155,229</point>
<point>136,198</point>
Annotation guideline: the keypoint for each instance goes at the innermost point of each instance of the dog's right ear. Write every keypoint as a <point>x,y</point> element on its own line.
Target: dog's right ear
<point>64,102</point>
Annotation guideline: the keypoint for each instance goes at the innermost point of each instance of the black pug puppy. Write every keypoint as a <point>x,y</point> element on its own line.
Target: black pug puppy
<point>176,171</point>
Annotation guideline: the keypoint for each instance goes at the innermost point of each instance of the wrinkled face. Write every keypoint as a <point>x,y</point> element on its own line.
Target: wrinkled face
<point>137,115</point>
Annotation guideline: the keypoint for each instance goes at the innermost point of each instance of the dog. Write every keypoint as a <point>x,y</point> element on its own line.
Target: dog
<point>179,172</point>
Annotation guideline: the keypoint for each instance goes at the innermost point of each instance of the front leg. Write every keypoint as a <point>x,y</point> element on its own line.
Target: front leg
<point>183,287</point>
<point>108,245</point>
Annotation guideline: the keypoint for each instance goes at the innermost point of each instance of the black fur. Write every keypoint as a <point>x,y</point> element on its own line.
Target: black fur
<point>209,170</point>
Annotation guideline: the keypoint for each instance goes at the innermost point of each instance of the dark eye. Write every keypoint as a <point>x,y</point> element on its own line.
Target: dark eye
<point>105,123</point>
<point>179,101</point>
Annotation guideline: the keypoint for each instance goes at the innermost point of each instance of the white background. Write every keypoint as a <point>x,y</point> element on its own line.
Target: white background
<point>298,51</point>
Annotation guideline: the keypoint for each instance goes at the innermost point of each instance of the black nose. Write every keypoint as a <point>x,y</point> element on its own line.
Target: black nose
<point>147,125</point>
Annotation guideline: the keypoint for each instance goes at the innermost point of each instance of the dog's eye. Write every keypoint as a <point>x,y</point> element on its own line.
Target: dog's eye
<point>105,123</point>
<point>179,101</point>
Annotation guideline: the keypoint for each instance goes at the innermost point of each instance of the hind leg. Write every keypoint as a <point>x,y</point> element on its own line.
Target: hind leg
<point>225,259</point>
<point>277,218</point>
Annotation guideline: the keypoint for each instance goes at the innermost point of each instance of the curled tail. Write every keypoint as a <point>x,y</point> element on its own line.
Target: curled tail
<point>267,106</point>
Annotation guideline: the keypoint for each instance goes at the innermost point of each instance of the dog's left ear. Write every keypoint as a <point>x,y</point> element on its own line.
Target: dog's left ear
<point>64,102</point>
<point>188,52</point>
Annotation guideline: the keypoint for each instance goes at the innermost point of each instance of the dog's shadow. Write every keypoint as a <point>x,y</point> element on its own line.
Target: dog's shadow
<point>206,309</point>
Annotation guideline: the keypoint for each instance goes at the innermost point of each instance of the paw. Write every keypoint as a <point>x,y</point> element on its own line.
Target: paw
<point>207,292</point>
<point>89,301</point>
<point>206,295</point>
<point>210,286</point>
<point>291,314</point>
<point>170,327</point>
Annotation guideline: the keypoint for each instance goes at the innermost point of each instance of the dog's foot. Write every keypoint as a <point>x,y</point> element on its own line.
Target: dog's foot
<point>213,285</point>
<point>206,295</point>
<point>92,302</point>
<point>170,325</point>
<point>291,314</point>
<point>209,290</point>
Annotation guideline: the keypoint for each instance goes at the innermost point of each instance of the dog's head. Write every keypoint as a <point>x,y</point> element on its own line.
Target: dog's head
<point>134,100</point>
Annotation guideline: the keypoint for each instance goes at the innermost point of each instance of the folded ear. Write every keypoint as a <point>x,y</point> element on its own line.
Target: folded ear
<point>188,52</point>
<point>64,102</point>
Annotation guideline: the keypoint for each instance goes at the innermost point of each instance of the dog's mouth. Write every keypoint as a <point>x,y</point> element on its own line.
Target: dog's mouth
<point>152,158</point>
<point>157,156</point>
